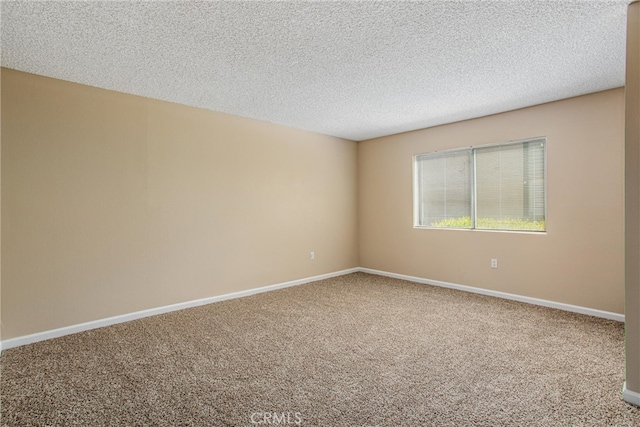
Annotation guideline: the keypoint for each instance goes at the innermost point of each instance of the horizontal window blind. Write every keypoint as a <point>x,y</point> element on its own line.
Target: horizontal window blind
<point>500,187</point>
<point>445,187</point>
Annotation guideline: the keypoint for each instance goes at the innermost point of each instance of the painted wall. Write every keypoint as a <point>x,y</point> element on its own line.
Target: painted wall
<point>0,212</point>
<point>631,392</point>
<point>113,203</point>
<point>580,258</point>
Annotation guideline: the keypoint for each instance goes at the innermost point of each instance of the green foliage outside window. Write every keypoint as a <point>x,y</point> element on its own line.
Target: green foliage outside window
<point>491,224</point>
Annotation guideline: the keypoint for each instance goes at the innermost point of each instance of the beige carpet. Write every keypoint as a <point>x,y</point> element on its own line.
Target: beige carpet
<point>357,350</point>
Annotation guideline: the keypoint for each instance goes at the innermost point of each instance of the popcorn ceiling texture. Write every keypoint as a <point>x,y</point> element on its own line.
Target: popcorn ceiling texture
<point>356,70</point>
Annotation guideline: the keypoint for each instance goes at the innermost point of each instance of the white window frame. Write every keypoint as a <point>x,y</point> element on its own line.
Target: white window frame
<point>417,195</point>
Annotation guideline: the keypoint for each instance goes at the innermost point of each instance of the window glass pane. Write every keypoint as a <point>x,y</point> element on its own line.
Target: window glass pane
<point>444,186</point>
<point>510,186</point>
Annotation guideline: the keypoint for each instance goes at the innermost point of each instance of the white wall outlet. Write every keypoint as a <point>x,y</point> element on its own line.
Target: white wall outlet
<point>312,255</point>
<point>494,263</point>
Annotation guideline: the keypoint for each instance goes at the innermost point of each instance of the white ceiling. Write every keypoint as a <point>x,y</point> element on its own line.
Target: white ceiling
<point>356,70</point>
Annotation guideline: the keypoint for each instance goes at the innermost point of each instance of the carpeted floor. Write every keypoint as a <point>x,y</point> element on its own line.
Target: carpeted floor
<point>357,350</point>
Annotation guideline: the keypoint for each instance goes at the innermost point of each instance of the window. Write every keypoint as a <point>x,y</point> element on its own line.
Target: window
<point>496,187</point>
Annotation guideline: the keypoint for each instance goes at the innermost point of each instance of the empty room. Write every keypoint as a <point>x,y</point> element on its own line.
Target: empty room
<point>311,213</point>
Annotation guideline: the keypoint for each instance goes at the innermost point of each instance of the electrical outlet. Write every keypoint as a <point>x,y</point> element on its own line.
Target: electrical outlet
<point>312,255</point>
<point>494,263</point>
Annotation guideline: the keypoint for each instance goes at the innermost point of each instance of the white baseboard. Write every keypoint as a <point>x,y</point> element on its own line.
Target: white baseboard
<point>498,294</point>
<point>55,333</point>
<point>629,396</point>
<point>59,332</point>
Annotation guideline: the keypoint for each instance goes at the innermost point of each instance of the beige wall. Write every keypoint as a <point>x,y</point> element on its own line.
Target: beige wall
<point>632,204</point>
<point>580,258</point>
<point>0,212</point>
<point>113,203</point>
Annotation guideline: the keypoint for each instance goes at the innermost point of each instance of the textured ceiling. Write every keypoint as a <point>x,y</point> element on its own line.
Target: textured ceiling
<point>356,70</point>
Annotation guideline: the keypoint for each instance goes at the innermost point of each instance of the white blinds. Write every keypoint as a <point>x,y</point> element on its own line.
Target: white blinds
<point>494,187</point>
<point>445,188</point>
<point>510,181</point>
